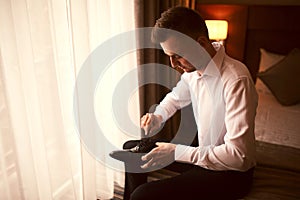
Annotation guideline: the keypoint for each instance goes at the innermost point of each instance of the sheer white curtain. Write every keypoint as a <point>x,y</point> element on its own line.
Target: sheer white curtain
<point>43,44</point>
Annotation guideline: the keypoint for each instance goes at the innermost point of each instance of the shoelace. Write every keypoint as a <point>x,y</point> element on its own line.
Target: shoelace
<point>144,146</point>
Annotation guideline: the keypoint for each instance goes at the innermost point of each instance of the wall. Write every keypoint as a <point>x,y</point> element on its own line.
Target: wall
<point>236,15</point>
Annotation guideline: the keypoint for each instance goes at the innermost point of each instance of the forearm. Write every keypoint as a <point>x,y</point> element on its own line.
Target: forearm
<point>178,98</point>
<point>166,109</point>
<point>224,157</point>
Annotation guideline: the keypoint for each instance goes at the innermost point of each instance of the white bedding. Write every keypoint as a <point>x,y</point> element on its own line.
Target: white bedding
<point>275,123</point>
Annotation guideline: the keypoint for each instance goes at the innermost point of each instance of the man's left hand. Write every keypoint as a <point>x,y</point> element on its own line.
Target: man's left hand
<point>160,156</point>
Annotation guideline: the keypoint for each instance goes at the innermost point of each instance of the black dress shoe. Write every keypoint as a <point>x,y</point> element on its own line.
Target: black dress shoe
<point>135,153</point>
<point>144,146</point>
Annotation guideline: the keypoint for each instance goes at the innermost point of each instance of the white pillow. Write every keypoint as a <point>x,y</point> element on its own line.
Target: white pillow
<point>267,59</point>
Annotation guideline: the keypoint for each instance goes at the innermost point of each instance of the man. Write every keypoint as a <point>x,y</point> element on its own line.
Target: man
<point>224,103</point>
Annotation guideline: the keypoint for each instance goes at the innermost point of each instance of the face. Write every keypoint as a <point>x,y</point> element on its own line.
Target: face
<point>178,52</point>
<point>179,62</point>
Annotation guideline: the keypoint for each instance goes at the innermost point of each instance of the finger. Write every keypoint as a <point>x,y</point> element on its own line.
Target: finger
<point>148,164</point>
<point>143,123</point>
<point>158,144</point>
<point>143,120</point>
<point>148,118</point>
<point>162,143</point>
<point>146,129</point>
<point>146,157</point>
<point>147,123</point>
<point>150,154</point>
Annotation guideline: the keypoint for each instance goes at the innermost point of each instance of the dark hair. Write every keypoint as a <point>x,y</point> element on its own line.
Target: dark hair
<point>181,19</point>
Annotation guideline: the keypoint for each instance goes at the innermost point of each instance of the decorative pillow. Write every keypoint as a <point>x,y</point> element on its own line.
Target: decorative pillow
<point>267,59</point>
<point>283,79</point>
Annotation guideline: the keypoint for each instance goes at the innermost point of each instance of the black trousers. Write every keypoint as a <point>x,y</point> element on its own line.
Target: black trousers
<point>194,182</point>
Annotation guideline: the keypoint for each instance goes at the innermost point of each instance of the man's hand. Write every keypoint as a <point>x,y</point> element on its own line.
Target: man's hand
<point>151,123</point>
<point>160,156</point>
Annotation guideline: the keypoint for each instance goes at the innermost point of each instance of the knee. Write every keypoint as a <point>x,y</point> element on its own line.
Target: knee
<point>141,193</point>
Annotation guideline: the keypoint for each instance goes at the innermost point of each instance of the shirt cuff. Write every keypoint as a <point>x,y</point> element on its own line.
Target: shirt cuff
<point>160,111</point>
<point>182,153</point>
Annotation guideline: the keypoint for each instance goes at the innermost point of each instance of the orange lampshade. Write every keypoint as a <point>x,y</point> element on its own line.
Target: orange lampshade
<point>217,29</point>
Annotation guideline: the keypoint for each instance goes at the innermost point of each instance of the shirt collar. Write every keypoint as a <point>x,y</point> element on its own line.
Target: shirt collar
<point>212,69</point>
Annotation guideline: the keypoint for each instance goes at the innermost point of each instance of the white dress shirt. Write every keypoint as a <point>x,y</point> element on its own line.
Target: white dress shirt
<point>224,103</point>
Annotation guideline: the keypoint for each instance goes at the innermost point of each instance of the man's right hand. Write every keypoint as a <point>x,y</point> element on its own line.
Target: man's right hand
<point>151,123</point>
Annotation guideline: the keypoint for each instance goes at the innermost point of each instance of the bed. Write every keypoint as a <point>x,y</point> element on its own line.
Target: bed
<point>272,41</point>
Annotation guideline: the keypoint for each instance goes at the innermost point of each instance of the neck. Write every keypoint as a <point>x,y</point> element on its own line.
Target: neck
<point>211,51</point>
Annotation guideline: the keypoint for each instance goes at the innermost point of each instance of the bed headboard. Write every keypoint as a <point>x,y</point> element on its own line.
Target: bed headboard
<point>274,28</point>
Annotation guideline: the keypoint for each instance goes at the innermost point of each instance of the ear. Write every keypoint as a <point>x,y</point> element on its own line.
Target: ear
<point>202,40</point>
